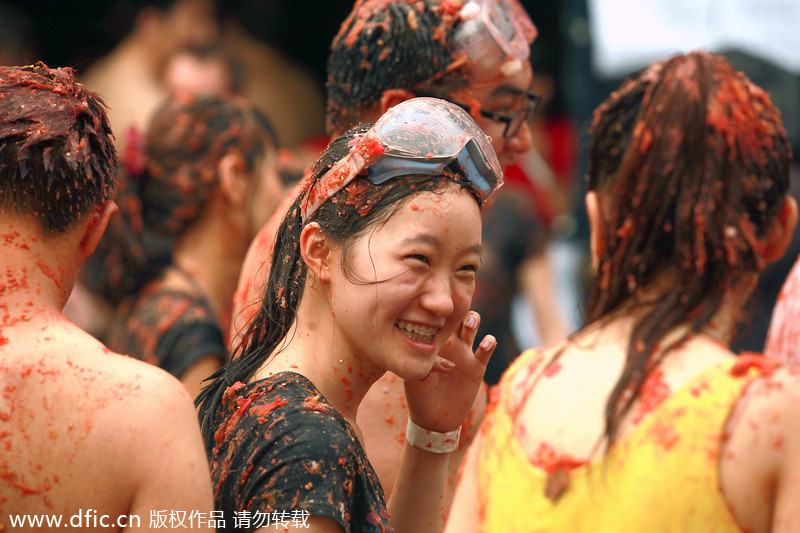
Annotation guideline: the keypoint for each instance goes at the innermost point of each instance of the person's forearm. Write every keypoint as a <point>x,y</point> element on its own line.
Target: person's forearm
<point>416,502</point>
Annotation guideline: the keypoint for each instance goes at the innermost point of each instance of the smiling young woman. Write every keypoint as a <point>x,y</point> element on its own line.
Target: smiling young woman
<point>373,270</point>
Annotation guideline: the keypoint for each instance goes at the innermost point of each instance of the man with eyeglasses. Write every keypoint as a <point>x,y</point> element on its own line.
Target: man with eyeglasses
<point>475,54</point>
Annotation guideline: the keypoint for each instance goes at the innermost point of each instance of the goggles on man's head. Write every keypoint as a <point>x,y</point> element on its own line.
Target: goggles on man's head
<point>494,33</point>
<point>420,136</point>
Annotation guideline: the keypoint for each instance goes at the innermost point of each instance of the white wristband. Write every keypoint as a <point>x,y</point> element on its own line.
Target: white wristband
<point>432,441</point>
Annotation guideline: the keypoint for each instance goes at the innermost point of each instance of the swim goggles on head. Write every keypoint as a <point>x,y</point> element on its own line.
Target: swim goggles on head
<point>419,136</point>
<point>494,32</point>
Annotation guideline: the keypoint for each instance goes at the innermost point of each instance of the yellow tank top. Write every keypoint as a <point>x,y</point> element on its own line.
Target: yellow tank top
<point>661,477</point>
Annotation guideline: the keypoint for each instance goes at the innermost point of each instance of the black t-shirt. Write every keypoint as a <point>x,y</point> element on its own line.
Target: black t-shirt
<point>281,447</point>
<point>167,328</point>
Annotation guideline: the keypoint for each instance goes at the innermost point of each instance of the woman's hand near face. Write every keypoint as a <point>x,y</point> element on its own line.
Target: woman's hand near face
<point>441,403</point>
<point>442,400</point>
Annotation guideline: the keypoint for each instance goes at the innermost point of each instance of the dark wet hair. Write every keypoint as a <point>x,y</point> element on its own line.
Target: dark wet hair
<point>692,163</point>
<point>57,158</point>
<point>344,217</point>
<point>187,138</point>
<point>384,45</point>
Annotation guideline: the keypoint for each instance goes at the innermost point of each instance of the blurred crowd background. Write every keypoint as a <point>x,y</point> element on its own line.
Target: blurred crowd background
<point>584,49</point>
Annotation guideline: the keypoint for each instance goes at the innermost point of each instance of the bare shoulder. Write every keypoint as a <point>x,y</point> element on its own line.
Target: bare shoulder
<point>762,442</point>
<point>122,405</point>
<point>771,400</point>
<point>116,378</point>
<point>132,404</point>
<point>157,432</point>
<point>147,419</point>
<point>557,397</point>
<point>105,431</point>
<point>528,369</point>
<point>55,357</point>
<point>766,418</point>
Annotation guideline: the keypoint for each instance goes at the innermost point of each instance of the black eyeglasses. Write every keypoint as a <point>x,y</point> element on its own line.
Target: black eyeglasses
<point>513,122</point>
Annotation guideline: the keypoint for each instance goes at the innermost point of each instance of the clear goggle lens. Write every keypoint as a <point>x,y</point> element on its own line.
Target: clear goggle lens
<point>418,136</point>
<point>494,32</point>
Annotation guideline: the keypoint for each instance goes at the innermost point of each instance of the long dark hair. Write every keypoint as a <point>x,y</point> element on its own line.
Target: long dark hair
<point>693,160</point>
<point>346,216</point>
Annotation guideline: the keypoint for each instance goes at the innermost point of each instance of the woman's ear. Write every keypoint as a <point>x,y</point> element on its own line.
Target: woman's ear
<point>597,227</point>
<point>233,179</point>
<point>316,251</point>
<point>780,233</point>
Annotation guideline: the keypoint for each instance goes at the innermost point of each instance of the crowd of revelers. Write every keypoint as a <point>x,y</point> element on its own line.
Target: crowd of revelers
<point>334,334</point>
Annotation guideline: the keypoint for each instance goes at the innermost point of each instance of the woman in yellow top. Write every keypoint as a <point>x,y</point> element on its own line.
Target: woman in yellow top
<point>644,420</point>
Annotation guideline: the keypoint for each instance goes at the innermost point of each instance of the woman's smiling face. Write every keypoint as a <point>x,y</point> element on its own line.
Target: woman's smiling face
<point>409,281</point>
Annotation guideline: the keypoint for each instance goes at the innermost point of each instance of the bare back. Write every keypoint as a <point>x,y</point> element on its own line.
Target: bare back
<point>83,429</point>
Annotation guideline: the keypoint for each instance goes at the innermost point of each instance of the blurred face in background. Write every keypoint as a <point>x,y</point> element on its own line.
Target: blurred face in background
<point>192,73</point>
